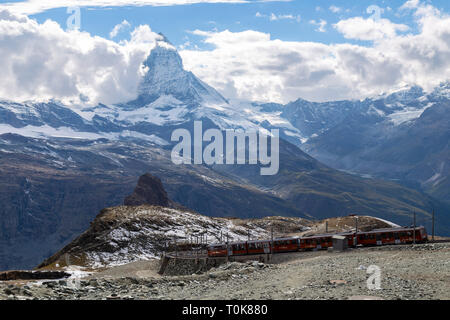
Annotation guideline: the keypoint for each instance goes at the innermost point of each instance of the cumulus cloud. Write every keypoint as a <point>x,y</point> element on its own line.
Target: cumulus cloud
<point>369,29</point>
<point>119,27</point>
<point>42,61</point>
<point>252,65</point>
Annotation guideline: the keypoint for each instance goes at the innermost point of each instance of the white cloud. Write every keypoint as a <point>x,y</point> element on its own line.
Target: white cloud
<point>35,6</point>
<point>117,28</point>
<point>319,24</point>
<point>420,9</point>
<point>251,65</point>
<point>276,17</point>
<point>42,61</point>
<point>369,29</point>
<point>335,9</point>
<point>410,4</point>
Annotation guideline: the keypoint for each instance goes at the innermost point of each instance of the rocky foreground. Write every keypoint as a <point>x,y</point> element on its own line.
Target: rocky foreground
<point>406,272</point>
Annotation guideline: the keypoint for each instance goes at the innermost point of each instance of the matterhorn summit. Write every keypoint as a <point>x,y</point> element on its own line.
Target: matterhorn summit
<point>167,77</point>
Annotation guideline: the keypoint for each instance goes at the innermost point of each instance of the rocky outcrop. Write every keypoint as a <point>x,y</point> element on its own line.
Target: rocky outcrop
<point>149,191</point>
<point>124,234</point>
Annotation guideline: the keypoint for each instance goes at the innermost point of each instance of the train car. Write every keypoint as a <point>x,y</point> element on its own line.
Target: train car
<point>352,238</point>
<point>392,236</point>
<point>259,247</point>
<point>237,249</point>
<point>217,250</point>
<point>376,237</point>
<point>308,243</point>
<point>323,242</point>
<point>422,235</point>
<point>315,242</point>
<point>232,249</point>
<point>286,245</point>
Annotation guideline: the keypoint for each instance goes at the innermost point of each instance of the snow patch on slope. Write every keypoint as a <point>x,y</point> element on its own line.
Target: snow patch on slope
<point>393,225</point>
<point>46,131</point>
<point>407,114</point>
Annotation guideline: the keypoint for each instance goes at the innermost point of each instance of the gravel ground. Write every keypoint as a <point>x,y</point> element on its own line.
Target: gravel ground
<point>406,272</point>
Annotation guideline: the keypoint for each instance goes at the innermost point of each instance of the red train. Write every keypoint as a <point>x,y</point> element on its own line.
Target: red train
<point>376,237</point>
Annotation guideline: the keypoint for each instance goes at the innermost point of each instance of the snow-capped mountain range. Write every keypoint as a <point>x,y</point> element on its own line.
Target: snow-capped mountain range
<point>170,96</point>
<point>402,136</point>
<point>338,133</point>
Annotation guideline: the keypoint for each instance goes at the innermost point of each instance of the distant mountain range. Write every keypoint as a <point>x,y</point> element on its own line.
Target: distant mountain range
<point>60,165</point>
<point>403,137</point>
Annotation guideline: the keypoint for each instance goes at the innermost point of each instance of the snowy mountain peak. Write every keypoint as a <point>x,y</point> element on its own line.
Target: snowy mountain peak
<point>164,65</point>
<point>164,39</point>
<point>443,91</point>
<point>166,76</point>
<point>403,95</point>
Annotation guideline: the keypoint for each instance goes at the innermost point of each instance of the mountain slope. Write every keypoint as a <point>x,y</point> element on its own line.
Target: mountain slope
<point>409,145</point>
<point>321,192</point>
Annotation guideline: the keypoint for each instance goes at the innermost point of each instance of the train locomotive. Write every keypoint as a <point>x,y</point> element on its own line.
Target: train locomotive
<point>377,237</point>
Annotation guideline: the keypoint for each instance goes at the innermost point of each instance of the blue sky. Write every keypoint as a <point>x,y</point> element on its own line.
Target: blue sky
<point>176,21</point>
